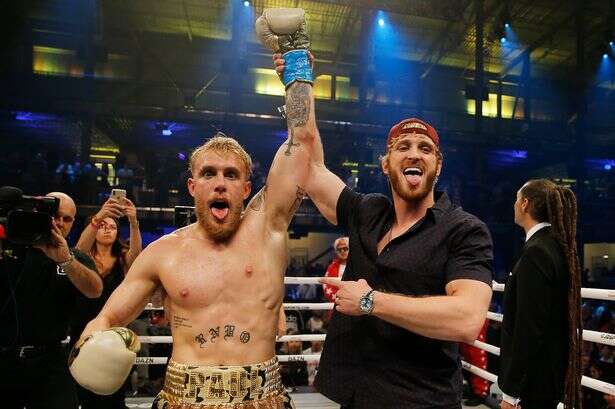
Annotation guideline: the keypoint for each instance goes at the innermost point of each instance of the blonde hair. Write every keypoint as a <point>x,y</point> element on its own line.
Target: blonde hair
<point>220,143</point>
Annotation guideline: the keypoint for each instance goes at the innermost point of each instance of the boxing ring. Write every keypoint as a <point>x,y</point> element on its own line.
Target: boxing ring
<point>315,400</point>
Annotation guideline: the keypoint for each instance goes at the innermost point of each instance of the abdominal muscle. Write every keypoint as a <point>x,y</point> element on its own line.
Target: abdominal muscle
<point>224,334</point>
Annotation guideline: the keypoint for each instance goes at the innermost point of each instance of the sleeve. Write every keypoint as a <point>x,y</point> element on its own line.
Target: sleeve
<point>347,207</point>
<point>471,253</point>
<point>84,259</point>
<point>531,316</point>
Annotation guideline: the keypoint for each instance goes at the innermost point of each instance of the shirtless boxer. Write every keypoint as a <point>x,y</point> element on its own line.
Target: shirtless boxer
<point>223,275</point>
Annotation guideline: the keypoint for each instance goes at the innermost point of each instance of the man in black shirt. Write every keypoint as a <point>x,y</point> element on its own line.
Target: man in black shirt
<point>38,288</point>
<point>417,282</point>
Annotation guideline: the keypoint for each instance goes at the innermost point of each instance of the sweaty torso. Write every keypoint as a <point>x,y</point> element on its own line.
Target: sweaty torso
<point>222,302</point>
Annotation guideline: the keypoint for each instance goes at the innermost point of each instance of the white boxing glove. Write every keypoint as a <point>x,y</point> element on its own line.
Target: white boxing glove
<point>284,31</point>
<point>101,363</point>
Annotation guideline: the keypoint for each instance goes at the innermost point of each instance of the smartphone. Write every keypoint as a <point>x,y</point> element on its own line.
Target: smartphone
<point>118,194</point>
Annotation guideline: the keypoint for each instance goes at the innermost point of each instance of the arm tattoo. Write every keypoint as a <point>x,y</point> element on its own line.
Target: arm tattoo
<point>290,143</point>
<point>257,201</point>
<point>300,195</point>
<point>181,322</point>
<point>297,109</point>
<point>298,104</point>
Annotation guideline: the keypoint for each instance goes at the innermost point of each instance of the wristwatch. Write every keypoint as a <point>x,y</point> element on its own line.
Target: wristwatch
<point>366,303</point>
<point>68,262</point>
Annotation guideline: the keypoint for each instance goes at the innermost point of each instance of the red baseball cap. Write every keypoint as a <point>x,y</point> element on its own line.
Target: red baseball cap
<point>413,125</point>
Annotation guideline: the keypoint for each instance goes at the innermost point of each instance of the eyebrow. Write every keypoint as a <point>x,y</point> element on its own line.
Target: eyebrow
<point>225,169</point>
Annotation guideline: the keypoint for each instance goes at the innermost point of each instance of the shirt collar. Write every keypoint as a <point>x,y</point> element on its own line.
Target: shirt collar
<point>534,229</point>
<point>442,205</point>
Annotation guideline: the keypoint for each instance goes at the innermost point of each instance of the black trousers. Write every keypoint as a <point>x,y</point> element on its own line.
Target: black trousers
<point>37,381</point>
<point>90,400</point>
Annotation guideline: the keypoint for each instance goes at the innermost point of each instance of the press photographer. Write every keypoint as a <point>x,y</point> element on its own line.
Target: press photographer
<point>40,278</point>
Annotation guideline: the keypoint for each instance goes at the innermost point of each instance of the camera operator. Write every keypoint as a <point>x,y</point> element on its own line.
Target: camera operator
<point>38,288</point>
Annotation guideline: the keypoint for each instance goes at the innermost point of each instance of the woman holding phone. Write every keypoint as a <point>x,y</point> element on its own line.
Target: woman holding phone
<point>101,240</point>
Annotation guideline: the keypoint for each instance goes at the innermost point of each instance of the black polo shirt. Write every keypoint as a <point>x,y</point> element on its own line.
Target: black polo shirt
<point>36,298</point>
<point>374,364</point>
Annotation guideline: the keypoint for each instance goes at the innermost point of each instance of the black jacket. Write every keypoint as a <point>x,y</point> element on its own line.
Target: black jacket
<point>534,344</point>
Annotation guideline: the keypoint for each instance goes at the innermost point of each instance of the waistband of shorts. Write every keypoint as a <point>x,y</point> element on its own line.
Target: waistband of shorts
<point>227,384</point>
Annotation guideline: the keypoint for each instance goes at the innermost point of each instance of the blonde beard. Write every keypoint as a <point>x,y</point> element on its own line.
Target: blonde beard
<point>397,186</point>
<point>219,232</point>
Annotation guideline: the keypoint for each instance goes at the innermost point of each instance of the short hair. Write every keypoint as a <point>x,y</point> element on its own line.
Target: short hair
<point>335,243</point>
<point>220,143</point>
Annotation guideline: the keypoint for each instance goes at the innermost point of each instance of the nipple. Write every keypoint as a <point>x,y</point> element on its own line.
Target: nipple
<point>184,292</point>
<point>249,269</point>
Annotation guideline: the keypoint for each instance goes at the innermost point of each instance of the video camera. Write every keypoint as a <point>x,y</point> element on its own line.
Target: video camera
<point>26,220</point>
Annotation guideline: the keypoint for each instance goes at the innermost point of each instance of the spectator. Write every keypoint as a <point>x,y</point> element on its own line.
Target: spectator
<point>101,240</point>
<point>337,266</point>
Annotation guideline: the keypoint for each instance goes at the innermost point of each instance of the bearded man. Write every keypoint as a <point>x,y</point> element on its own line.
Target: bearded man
<point>223,275</point>
<point>417,280</point>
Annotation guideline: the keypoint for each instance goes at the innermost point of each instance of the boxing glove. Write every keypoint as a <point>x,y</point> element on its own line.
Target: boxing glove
<point>101,363</point>
<point>283,30</point>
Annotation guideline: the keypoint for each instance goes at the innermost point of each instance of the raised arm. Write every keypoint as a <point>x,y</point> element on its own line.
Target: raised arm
<point>111,208</point>
<point>320,184</point>
<point>129,299</point>
<point>284,31</point>
<point>136,244</point>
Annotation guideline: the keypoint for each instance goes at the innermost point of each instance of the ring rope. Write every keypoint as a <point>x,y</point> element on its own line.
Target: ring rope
<point>591,293</point>
<point>586,381</point>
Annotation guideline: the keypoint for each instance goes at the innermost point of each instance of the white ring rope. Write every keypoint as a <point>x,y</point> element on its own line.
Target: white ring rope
<point>591,293</point>
<point>586,381</point>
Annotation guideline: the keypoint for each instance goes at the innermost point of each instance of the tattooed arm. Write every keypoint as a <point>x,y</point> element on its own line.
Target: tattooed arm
<point>304,146</point>
<point>289,170</point>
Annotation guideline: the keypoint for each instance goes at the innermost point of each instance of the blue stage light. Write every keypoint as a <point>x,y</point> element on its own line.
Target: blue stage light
<point>506,25</point>
<point>381,22</point>
<point>167,132</point>
<point>607,166</point>
<point>246,3</point>
<point>503,39</point>
<point>611,43</point>
<point>605,56</point>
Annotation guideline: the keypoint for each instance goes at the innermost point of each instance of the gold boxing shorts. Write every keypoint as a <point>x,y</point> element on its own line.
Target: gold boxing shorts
<point>256,386</point>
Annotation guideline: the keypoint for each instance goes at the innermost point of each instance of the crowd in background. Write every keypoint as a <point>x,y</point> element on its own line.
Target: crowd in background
<point>164,185</point>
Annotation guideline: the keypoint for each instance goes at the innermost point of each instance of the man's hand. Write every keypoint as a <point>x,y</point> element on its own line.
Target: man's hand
<point>506,405</point>
<point>349,293</point>
<point>57,249</point>
<point>112,208</point>
<point>130,211</point>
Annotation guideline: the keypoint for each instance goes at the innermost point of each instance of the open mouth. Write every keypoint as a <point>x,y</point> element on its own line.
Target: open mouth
<point>413,175</point>
<point>219,209</point>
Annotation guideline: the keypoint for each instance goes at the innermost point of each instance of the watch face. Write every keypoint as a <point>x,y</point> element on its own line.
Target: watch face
<point>366,304</point>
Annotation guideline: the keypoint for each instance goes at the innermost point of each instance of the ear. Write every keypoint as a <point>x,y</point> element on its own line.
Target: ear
<point>384,163</point>
<point>247,188</point>
<point>438,168</point>
<point>191,186</point>
<point>525,204</point>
